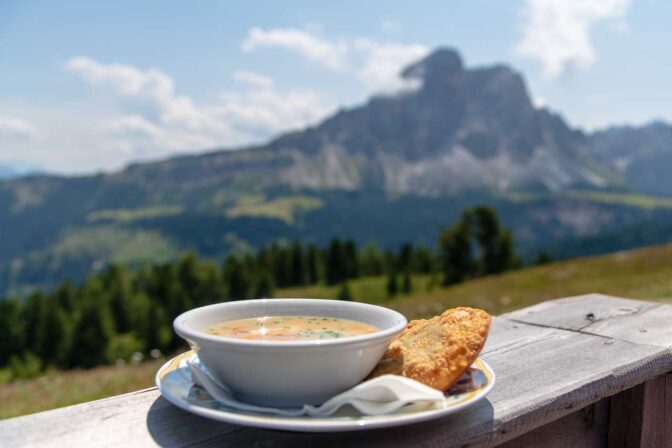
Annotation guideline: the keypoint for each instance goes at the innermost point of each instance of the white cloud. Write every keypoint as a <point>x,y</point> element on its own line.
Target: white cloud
<point>12,128</point>
<point>556,33</point>
<point>133,124</point>
<point>539,101</point>
<point>376,65</point>
<point>332,55</point>
<point>137,137</point>
<point>145,117</point>
<point>125,79</point>
<point>269,112</point>
<point>382,64</point>
<point>152,89</point>
<point>134,114</point>
<point>253,79</point>
<point>71,139</point>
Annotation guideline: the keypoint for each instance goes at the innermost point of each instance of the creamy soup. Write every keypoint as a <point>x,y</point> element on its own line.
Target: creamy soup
<point>290,328</point>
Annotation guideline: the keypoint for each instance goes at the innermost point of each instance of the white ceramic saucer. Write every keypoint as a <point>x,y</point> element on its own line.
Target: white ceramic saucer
<point>174,381</point>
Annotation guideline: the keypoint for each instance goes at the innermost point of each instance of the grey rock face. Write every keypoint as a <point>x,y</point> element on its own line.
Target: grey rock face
<point>642,155</point>
<point>461,129</point>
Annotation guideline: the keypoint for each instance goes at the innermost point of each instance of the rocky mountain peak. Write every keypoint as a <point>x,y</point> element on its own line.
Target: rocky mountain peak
<point>463,129</point>
<point>436,67</point>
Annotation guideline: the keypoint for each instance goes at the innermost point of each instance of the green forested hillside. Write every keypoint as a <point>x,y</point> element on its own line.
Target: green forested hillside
<point>56,231</point>
<point>120,311</point>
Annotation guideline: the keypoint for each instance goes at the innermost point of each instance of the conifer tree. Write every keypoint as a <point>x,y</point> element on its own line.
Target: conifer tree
<point>423,260</point>
<point>277,262</point>
<point>117,287</point>
<point>351,260</point>
<point>298,265</point>
<point>236,278</point>
<point>390,261</point>
<point>150,323</point>
<point>405,257</point>
<point>335,262</point>
<point>264,286</point>
<point>92,334</point>
<point>187,274</point>
<point>392,287</point>
<point>407,283</point>
<point>30,315</point>
<point>64,296</point>
<point>496,244</point>
<point>313,262</point>
<point>371,261</point>
<point>457,260</point>
<point>10,340</point>
<point>210,287</point>
<point>50,335</point>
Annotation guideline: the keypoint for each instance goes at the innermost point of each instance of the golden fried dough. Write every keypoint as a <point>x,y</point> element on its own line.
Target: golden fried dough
<point>437,351</point>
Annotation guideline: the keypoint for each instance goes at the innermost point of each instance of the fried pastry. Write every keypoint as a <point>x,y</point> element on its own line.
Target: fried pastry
<point>437,351</point>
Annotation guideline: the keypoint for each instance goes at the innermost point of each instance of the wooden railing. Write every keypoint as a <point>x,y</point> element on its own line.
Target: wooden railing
<point>581,371</point>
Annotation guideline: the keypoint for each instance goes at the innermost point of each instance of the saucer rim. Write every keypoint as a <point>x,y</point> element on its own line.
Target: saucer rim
<point>315,424</point>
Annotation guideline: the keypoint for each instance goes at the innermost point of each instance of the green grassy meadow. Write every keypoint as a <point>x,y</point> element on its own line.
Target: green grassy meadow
<point>56,389</point>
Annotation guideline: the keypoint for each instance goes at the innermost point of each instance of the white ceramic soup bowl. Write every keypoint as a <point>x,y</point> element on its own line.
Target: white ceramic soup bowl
<point>289,373</point>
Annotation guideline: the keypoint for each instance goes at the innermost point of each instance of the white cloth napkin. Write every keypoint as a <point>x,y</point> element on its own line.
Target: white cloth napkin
<point>382,395</point>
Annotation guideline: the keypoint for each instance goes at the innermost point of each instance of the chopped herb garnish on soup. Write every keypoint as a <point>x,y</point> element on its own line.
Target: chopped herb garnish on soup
<point>290,328</point>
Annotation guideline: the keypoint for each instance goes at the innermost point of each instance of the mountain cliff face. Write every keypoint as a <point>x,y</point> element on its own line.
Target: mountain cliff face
<point>642,155</point>
<point>460,130</point>
<point>394,169</point>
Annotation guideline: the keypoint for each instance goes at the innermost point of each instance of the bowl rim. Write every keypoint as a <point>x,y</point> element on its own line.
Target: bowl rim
<point>188,333</point>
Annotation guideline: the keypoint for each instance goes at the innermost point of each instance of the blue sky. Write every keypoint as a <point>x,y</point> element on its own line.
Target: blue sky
<point>88,86</point>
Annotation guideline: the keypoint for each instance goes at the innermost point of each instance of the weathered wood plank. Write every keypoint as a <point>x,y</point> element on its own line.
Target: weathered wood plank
<point>135,419</point>
<point>585,428</point>
<point>638,416</point>
<point>629,320</point>
<point>543,374</point>
<point>625,427</point>
<point>563,372</point>
<point>654,432</point>
<point>506,335</point>
<point>580,312</point>
<point>653,326</point>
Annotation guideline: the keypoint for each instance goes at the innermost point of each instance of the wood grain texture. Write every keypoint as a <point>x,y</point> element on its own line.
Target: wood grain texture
<point>546,369</point>
<point>652,326</point>
<point>613,317</point>
<point>587,427</point>
<point>626,418</point>
<point>136,419</point>
<point>639,417</point>
<point>580,312</point>
<point>654,432</point>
